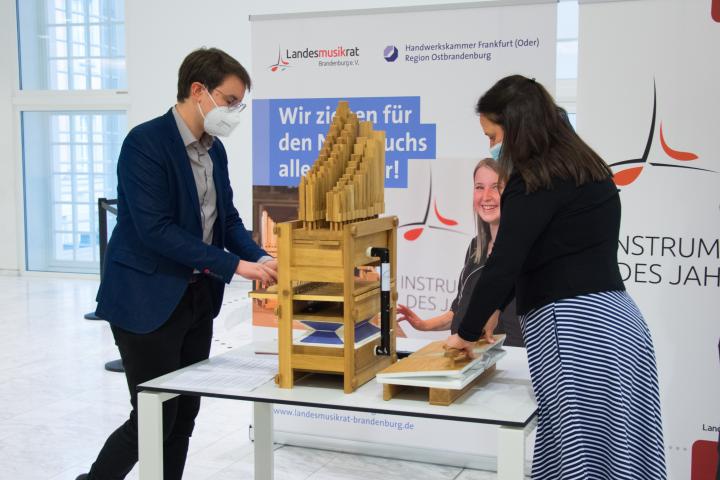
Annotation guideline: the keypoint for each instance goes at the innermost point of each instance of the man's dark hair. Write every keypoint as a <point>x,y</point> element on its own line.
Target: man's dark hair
<point>538,142</point>
<point>209,66</point>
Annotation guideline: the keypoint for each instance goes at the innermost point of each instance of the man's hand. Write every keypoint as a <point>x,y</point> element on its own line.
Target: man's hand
<point>272,264</point>
<point>262,272</point>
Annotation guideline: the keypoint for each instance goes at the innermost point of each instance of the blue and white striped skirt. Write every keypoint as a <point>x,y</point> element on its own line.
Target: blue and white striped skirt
<point>592,365</point>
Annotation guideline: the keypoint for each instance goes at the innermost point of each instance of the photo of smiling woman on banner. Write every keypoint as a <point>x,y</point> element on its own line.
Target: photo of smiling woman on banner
<point>488,185</point>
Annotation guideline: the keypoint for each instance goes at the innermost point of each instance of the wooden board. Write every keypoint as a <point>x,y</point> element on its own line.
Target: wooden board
<point>449,382</point>
<point>431,361</point>
<point>320,291</point>
<point>333,292</point>
<point>438,396</point>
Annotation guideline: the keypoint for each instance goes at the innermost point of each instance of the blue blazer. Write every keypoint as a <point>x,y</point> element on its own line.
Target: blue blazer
<point>157,241</point>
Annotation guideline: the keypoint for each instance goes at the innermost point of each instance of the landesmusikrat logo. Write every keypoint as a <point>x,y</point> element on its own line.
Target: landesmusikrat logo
<point>281,65</point>
<point>337,56</point>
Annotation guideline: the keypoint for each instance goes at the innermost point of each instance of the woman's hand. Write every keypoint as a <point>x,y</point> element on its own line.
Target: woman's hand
<point>441,322</point>
<point>454,341</point>
<point>490,327</point>
<point>404,313</point>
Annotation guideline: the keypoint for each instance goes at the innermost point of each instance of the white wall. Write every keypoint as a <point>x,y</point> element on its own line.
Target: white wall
<point>159,35</point>
<point>10,206</point>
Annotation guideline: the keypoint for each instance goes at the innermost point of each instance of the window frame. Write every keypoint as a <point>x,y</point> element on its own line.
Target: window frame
<point>52,101</point>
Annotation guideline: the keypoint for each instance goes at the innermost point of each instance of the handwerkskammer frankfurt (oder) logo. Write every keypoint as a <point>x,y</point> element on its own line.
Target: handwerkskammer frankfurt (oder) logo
<point>390,53</point>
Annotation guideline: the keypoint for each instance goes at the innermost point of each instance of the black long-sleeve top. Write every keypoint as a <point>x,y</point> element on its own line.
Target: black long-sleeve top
<point>508,322</point>
<point>551,244</point>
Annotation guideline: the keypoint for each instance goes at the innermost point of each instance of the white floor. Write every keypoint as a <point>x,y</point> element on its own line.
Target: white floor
<point>58,404</point>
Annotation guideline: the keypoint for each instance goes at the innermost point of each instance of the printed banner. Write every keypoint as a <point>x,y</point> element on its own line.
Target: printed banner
<point>648,103</point>
<point>295,130</point>
<point>417,74</point>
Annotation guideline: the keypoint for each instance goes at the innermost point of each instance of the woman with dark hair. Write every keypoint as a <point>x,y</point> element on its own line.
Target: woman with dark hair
<point>487,188</point>
<point>591,357</point>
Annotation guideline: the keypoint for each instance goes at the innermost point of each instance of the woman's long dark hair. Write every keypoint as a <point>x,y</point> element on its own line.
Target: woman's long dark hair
<point>538,141</point>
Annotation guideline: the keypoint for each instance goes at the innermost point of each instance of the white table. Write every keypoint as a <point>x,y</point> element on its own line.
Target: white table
<point>504,399</point>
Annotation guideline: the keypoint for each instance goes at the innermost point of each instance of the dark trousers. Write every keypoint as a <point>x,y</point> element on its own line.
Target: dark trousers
<point>181,341</point>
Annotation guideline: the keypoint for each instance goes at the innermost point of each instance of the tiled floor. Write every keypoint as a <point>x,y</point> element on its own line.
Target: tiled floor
<point>57,403</point>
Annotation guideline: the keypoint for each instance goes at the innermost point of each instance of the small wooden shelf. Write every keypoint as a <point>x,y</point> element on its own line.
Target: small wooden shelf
<point>333,292</point>
<point>319,292</point>
<point>269,293</point>
<point>324,312</point>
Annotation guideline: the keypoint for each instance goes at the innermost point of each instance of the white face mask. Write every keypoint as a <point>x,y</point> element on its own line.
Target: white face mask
<point>220,121</point>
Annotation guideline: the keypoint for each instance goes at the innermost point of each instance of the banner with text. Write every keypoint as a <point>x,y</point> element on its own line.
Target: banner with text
<point>415,73</point>
<point>648,99</point>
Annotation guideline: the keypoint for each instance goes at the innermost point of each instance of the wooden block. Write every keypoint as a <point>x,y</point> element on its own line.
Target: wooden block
<point>367,306</point>
<point>321,312</point>
<point>378,239</point>
<point>348,333</point>
<point>368,227</point>
<point>445,396</point>
<point>285,305</point>
<point>334,292</point>
<point>438,396</point>
<point>389,391</point>
<point>317,274</point>
<point>262,293</point>
<point>365,356</point>
<point>317,351</point>
<point>316,256</point>
<point>318,363</point>
<point>368,373</point>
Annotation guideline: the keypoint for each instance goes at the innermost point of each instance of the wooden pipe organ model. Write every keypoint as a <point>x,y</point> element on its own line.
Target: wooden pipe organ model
<point>338,233</point>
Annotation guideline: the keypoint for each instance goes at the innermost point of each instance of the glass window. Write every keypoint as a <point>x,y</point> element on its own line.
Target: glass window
<point>567,56</point>
<point>72,44</point>
<point>69,156</point>
<point>69,162</point>
<point>567,34</point>
<point>568,20</point>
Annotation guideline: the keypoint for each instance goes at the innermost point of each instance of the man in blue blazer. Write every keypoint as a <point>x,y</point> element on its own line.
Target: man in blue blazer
<point>177,241</point>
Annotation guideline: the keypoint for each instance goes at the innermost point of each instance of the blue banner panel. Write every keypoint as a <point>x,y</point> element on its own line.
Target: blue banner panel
<point>288,133</point>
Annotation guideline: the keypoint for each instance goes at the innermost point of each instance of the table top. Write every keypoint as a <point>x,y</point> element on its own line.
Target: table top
<point>504,398</point>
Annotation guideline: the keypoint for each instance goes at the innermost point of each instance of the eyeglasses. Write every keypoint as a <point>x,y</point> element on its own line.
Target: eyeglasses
<point>233,105</point>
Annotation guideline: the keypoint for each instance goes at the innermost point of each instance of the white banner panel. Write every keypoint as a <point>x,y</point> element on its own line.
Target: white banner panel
<point>417,74</point>
<point>648,101</point>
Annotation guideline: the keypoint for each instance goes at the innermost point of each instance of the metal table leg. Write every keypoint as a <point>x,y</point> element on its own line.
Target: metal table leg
<point>511,451</point>
<point>150,434</point>
<point>263,433</point>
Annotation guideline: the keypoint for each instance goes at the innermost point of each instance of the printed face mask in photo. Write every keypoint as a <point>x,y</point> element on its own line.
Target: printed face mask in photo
<point>220,121</point>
